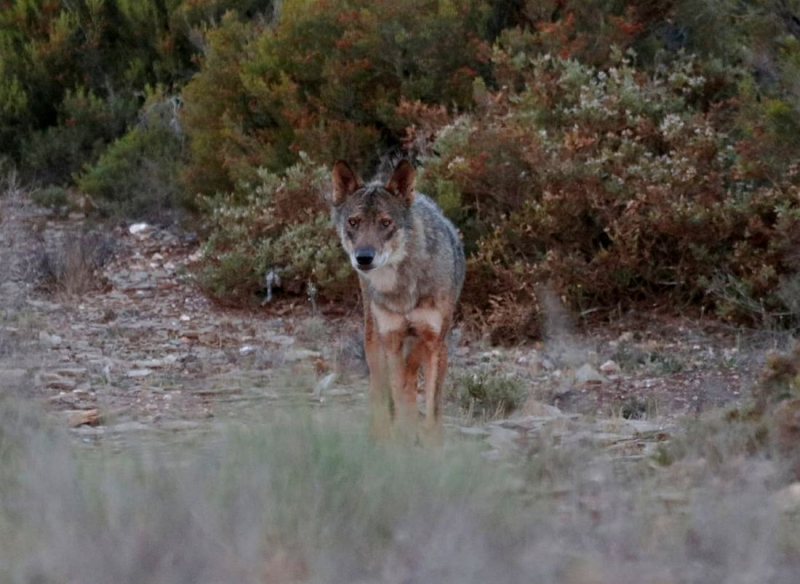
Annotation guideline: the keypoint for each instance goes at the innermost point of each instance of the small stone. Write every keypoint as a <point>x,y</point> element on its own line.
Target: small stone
<point>139,373</point>
<point>140,229</point>
<point>285,340</point>
<point>538,409</point>
<point>588,375</point>
<point>502,438</point>
<point>76,418</point>
<point>156,363</point>
<point>71,371</point>
<point>48,339</point>
<point>625,337</point>
<point>610,367</point>
<point>788,498</point>
<point>55,381</point>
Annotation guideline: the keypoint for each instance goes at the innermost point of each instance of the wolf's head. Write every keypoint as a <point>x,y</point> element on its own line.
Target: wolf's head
<point>373,220</point>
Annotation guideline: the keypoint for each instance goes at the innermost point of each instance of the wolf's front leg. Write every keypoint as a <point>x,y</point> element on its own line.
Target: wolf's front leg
<point>404,395</point>
<point>380,399</point>
<point>434,370</point>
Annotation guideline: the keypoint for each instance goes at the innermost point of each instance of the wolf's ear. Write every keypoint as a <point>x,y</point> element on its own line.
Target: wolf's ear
<point>403,180</point>
<point>345,182</point>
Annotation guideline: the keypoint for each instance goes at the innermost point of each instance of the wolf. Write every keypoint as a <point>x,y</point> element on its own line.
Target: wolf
<point>410,264</point>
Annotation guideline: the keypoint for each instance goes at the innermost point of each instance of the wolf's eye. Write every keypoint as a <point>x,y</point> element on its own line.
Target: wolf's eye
<point>385,223</point>
<point>353,222</point>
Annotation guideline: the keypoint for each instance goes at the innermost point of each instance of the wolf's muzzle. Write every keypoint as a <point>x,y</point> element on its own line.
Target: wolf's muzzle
<point>364,257</point>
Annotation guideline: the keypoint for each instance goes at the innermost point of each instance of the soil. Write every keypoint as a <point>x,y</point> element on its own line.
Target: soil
<point>142,349</point>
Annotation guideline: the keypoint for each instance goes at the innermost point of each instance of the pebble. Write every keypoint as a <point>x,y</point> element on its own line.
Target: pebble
<point>610,367</point>
<point>588,375</point>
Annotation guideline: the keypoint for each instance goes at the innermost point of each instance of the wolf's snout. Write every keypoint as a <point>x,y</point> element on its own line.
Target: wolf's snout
<point>365,256</point>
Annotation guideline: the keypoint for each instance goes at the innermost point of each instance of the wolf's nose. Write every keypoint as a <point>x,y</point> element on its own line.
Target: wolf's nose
<point>364,257</point>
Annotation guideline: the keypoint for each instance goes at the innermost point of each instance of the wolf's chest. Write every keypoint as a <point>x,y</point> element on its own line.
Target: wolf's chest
<point>385,280</point>
<point>416,321</point>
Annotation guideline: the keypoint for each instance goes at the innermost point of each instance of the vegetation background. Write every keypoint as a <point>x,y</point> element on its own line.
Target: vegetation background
<point>617,152</point>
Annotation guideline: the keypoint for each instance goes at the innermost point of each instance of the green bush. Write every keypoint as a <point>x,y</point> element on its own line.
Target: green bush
<point>486,393</point>
<point>54,54</point>
<point>87,124</point>
<point>137,176</point>
<point>279,223</point>
<point>52,197</point>
<point>327,80</point>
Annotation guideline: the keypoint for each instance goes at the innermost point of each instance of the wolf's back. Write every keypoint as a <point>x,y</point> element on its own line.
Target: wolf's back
<point>442,248</point>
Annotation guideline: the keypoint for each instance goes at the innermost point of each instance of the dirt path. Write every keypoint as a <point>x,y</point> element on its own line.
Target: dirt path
<point>146,351</point>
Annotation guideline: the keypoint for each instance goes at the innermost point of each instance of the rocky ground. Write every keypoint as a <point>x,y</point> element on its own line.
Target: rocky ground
<point>142,351</point>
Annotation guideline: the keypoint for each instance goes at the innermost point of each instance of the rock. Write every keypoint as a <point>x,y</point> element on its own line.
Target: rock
<point>534,363</point>
<point>76,418</point>
<point>647,427</point>
<point>140,229</point>
<point>625,337</point>
<point>539,410</point>
<point>139,373</point>
<point>588,375</point>
<point>285,340</point>
<point>156,363</point>
<point>48,339</point>
<point>788,498</point>
<point>502,438</point>
<point>89,431</point>
<point>56,381</point>
<point>71,371</point>
<point>610,367</point>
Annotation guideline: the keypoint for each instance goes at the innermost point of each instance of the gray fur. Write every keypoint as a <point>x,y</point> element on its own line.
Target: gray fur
<point>433,257</point>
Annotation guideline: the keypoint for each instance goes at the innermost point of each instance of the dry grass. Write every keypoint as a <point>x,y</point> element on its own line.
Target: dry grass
<point>307,497</point>
<point>70,266</point>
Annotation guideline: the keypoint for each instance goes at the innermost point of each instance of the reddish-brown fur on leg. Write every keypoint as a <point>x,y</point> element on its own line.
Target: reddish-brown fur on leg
<point>380,402</point>
<point>404,400</point>
<point>434,370</point>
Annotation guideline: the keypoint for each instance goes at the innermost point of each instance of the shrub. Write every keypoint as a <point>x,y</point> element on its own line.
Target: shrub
<point>279,223</point>
<point>52,197</point>
<point>69,266</point>
<point>137,176</point>
<point>614,185</point>
<point>780,380</point>
<point>326,80</point>
<point>53,53</point>
<point>486,393</point>
<point>87,124</point>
